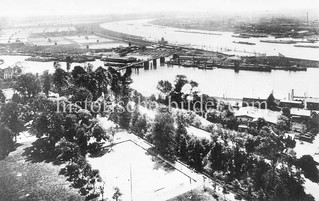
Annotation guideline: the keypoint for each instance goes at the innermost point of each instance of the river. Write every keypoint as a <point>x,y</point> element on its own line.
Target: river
<point>212,40</point>
<point>227,83</point>
<point>221,82</point>
<point>217,82</point>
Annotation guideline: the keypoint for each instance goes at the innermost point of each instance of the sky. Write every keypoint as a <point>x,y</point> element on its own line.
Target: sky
<point>83,7</point>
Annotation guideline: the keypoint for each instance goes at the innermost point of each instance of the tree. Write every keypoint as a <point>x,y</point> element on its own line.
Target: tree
<point>68,61</point>
<point>101,76</point>
<point>138,124</point>
<point>16,98</point>
<point>82,78</point>
<point>216,157</point>
<point>46,82</point>
<point>283,123</point>
<point>83,177</point>
<point>309,167</point>
<point>6,142</point>
<point>286,111</point>
<point>180,139</point>
<point>314,123</point>
<point>82,97</point>
<point>2,97</point>
<point>11,118</point>
<point>73,124</point>
<point>67,151</point>
<point>196,153</point>
<point>117,194</point>
<point>260,123</point>
<point>180,81</point>
<point>165,87</point>
<point>60,79</point>
<point>251,144</point>
<point>28,85</point>
<point>163,134</point>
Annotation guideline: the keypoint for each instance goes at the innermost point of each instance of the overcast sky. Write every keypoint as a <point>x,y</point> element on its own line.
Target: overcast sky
<point>74,7</point>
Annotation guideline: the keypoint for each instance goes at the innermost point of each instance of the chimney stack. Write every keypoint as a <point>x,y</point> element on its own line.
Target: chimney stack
<point>292,94</point>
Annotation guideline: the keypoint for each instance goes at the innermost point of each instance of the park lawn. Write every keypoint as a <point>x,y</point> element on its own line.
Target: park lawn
<point>22,179</point>
<point>196,195</point>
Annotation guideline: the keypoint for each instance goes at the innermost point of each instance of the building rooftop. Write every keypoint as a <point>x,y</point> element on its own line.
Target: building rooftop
<point>312,100</point>
<point>8,93</point>
<point>255,113</point>
<point>300,112</point>
<point>290,101</point>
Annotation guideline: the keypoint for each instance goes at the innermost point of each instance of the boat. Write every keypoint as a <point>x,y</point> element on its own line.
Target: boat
<point>254,67</point>
<point>279,41</point>
<point>197,32</point>
<point>307,46</point>
<point>290,68</point>
<point>254,35</point>
<point>244,43</point>
<point>248,67</point>
<point>240,36</point>
<point>248,35</point>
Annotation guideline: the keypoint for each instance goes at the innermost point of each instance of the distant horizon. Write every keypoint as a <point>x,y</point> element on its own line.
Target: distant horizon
<point>13,21</point>
<point>31,8</point>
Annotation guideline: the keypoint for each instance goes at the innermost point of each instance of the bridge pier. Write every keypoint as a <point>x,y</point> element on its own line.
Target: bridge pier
<point>146,65</point>
<point>128,71</point>
<point>162,60</point>
<point>154,63</point>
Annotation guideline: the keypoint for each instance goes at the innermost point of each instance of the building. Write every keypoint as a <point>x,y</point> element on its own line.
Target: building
<point>242,128</point>
<point>256,102</point>
<point>269,103</point>
<point>312,104</point>
<point>9,72</point>
<point>8,93</point>
<point>298,114</point>
<point>291,104</point>
<point>162,42</point>
<point>248,114</point>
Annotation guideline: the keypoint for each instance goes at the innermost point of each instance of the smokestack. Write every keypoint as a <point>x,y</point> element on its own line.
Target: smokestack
<point>292,94</point>
<point>288,96</point>
<point>307,19</point>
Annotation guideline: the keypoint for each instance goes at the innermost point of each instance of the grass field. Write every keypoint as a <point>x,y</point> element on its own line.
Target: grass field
<point>22,179</point>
